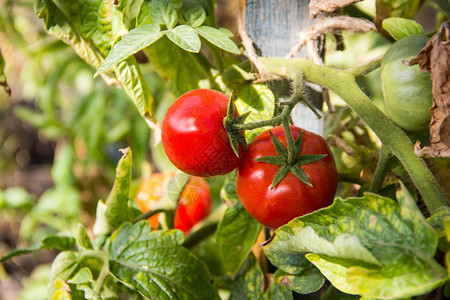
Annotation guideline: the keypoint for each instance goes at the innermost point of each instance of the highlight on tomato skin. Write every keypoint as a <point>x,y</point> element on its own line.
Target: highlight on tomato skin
<point>290,198</point>
<point>194,137</point>
<point>194,204</point>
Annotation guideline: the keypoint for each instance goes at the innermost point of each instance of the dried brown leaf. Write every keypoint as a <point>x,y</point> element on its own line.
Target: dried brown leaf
<point>318,6</point>
<point>435,58</point>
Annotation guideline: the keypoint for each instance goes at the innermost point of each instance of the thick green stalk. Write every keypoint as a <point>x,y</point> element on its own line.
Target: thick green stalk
<point>343,83</point>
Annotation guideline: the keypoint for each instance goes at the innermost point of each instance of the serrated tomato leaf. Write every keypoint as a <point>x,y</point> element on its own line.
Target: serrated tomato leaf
<point>248,283</point>
<point>163,12</point>
<point>194,13</point>
<point>399,28</point>
<point>185,37</point>
<point>308,281</point>
<point>50,242</point>
<point>218,38</point>
<point>156,265</point>
<point>277,291</point>
<point>236,234</point>
<point>114,212</point>
<point>371,246</point>
<point>132,42</point>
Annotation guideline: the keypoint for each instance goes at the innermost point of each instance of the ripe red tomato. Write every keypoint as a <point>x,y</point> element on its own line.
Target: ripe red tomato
<point>194,137</point>
<point>291,197</point>
<point>194,204</point>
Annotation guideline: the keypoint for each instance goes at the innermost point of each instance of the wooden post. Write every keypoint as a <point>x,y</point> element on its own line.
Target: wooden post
<point>273,26</point>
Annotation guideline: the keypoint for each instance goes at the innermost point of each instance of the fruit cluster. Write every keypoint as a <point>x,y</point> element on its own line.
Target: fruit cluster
<point>273,187</point>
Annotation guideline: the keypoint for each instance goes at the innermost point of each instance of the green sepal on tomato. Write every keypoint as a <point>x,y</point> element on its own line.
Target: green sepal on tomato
<point>194,137</point>
<point>194,204</point>
<point>407,91</point>
<point>290,197</point>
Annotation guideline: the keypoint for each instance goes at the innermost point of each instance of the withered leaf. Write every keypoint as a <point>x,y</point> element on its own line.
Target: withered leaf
<point>318,6</point>
<point>435,58</point>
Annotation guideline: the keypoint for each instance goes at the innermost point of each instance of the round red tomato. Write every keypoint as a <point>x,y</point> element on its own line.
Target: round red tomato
<point>291,197</point>
<point>194,137</point>
<point>194,205</point>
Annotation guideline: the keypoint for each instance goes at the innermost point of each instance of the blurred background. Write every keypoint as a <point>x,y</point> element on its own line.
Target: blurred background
<point>60,132</point>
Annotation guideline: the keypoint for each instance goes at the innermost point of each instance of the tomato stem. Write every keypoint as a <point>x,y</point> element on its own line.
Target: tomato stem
<point>149,214</point>
<point>211,4</point>
<point>382,168</point>
<point>343,83</point>
<point>360,71</point>
<point>284,115</point>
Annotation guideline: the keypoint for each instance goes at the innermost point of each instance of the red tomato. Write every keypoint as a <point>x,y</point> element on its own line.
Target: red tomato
<point>291,197</point>
<point>194,137</point>
<point>194,204</point>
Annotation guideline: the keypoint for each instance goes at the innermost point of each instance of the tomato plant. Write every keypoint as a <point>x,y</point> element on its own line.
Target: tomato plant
<point>291,197</point>
<point>406,90</point>
<point>194,137</point>
<point>375,245</point>
<point>193,206</point>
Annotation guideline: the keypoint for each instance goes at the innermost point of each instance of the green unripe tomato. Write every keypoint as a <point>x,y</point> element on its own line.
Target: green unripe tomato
<point>407,91</point>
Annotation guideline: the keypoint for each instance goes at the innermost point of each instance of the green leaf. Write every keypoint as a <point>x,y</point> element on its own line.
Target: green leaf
<point>248,283</point>
<point>227,32</point>
<point>372,246</point>
<point>50,242</point>
<point>95,23</point>
<point>176,186</point>
<point>236,234</point>
<point>277,291</point>
<point>129,10</point>
<point>163,12</point>
<point>182,68</point>
<point>84,275</point>
<point>114,212</point>
<point>228,190</point>
<point>257,99</point>
<point>132,42</point>
<point>82,238</point>
<point>132,80</point>
<point>308,281</point>
<point>62,267</point>
<point>90,36</point>
<point>218,38</point>
<point>156,265</point>
<point>185,37</point>
<point>399,28</point>
<point>61,19</point>
<point>194,13</point>
<point>396,8</point>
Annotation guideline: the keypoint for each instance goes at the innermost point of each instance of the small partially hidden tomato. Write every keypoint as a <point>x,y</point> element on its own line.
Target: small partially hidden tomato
<point>407,91</point>
<point>194,137</point>
<point>194,204</point>
<point>291,197</point>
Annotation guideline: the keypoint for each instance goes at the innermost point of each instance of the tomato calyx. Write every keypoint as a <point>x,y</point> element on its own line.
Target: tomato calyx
<point>290,162</point>
<point>235,136</point>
